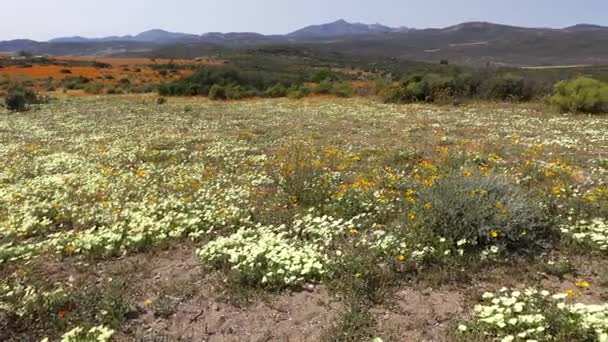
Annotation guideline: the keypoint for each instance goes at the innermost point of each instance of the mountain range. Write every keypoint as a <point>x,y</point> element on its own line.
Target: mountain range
<point>472,43</point>
<point>335,29</point>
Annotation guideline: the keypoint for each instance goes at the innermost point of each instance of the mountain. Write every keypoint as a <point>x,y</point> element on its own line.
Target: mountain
<point>18,45</point>
<point>341,28</point>
<point>150,36</point>
<point>585,27</point>
<point>479,43</point>
<point>335,29</point>
<point>471,43</point>
<point>161,36</point>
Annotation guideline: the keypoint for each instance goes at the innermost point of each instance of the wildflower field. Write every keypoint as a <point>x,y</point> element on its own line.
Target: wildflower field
<point>302,220</point>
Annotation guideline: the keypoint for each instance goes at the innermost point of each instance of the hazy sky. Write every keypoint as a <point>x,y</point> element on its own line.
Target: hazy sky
<point>44,19</point>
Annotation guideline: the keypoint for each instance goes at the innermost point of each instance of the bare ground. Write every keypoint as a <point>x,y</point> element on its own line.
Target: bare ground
<point>177,300</point>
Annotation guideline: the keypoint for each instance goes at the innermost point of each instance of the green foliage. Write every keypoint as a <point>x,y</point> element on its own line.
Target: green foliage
<point>297,92</point>
<point>581,95</point>
<point>94,88</point>
<point>484,211</point>
<point>16,101</point>
<point>237,92</point>
<point>200,83</point>
<point>229,92</point>
<point>277,90</point>
<point>342,90</point>
<point>507,87</point>
<point>324,75</point>
<point>74,82</point>
<point>442,87</point>
<point>217,92</point>
<point>431,88</point>
<point>19,97</point>
<point>325,87</point>
<point>355,324</point>
<point>559,268</point>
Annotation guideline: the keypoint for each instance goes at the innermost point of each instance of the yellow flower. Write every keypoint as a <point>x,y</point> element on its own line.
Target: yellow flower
<point>401,258</point>
<point>140,173</point>
<point>570,293</point>
<point>583,284</point>
<point>429,182</point>
<point>353,231</point>
<point>494,234</point>
<point>557,190</point>
<point>412,216</point>
<point>358,275</point>
<point>428,205</point>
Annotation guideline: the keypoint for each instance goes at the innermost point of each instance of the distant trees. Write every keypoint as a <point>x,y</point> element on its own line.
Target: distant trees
<point>433,87</point>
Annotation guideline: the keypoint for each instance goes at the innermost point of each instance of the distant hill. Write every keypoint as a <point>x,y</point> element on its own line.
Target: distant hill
<point>478,43</point>
<point>342,28</point>
<point>472,43</point>
<point>151,36</point>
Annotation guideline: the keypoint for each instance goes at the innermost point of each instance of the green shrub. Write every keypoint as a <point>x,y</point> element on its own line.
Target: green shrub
<point>430,88</point>
<point>277,90</point>
<point>297,92</point>
<point>323,75</point>
<point>217,92</point>
<point>18,98</point>
<point>342,90</point>
<point>325,87</point>
<point>200,83</point>
<point>114,91</point>
<point>584,94</point>
<point>94,88</point>
<point>236,92</point>
<point>16,101</point>
<point>507,88</point>
<point>75,82</point>
<point>484,212</point>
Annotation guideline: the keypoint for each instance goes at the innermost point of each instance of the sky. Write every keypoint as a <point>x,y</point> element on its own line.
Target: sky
<point>46,19</point>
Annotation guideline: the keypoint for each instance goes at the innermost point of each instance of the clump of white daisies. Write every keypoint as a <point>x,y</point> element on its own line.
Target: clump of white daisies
<point>592,233</point>
<point>79,334</point>
<point>285,255</point>
<point>534,315</point>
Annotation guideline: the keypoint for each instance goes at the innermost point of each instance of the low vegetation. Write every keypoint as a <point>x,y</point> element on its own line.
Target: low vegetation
<point>351,196</point>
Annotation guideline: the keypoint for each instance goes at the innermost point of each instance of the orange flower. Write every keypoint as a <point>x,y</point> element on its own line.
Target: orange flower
<point>61,314</point>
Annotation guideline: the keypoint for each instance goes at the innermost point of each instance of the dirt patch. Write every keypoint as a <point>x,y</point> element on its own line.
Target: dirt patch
<point>301,316</point>
<point>420,315</point>
<point>178,301</point>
